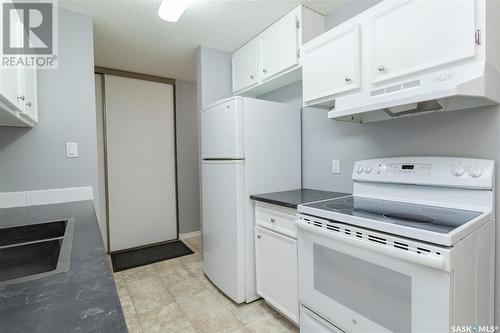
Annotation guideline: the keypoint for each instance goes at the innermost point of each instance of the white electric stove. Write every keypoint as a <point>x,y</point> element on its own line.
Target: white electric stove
<point>412,250</point>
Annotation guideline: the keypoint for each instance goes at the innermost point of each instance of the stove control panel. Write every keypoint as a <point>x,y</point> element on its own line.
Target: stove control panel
<point>409,169</point>
<point>459,169</point>
<point>437,171</point>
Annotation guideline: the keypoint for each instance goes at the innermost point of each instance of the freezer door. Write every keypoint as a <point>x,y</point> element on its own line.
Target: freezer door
<point>223,226</point>
<point>222,130</point>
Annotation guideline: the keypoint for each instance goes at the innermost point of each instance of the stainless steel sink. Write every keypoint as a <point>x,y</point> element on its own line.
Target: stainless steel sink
<point>35,251</point>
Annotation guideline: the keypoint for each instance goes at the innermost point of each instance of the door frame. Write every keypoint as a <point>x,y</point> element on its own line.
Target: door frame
<point>145,77</point>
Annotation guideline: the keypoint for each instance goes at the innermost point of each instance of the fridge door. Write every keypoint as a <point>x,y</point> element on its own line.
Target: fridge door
<point>223,226</point>
<point>222,130</point>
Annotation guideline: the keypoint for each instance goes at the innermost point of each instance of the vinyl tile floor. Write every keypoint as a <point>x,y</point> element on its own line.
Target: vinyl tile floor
<point>175,296</point>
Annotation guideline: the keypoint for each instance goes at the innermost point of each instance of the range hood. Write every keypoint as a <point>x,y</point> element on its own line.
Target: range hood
<point>450,90</point>
<point>406,58</point>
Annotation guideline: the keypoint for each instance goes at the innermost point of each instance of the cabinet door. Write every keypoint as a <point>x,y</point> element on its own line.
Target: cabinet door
<point>11,87</point>
<point>11,78</point>
<point>245,70</point>
<point>411,36</point>
<point>276,268</point>
<point>30,92</point>
<point>279,47</point>
<point>331,65</point>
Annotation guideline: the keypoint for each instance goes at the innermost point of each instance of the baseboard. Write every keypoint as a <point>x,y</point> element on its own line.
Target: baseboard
<point>190,235</point>
<point>45,197</point>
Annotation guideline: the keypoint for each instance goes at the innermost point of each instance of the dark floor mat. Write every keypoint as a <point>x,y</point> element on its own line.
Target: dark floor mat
<point>148,255</point>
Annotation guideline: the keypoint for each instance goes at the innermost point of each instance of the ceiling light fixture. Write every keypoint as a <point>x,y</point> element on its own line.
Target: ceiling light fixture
<point>171,10</point>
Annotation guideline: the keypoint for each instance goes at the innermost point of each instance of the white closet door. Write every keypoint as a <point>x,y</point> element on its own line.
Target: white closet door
<point>141,162</point>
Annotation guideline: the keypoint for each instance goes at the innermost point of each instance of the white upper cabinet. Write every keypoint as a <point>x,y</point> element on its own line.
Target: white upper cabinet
<point>11,78</point>
<point>245,66</point>
<point>273,59</point>
<point>279,47</point>
<point>11,81</point>
<point>403,58</point>
<point>411,36</point>
<point>18,97</point>
<point>18,91</point>
<point>338,55</point>
<point>30,109</point>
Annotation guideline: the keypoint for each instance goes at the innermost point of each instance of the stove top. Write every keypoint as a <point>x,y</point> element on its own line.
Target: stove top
<point>430,218</point>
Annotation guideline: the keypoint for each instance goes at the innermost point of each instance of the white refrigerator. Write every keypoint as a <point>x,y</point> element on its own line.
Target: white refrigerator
<point>248,146</point>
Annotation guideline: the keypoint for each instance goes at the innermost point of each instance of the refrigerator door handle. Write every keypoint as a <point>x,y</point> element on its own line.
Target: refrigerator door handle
<point>224,159</point>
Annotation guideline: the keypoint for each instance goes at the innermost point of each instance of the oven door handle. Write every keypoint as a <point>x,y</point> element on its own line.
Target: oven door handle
<point>437,263</point>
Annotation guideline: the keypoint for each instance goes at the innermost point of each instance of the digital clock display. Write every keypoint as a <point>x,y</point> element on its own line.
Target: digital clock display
<point>408,167</point>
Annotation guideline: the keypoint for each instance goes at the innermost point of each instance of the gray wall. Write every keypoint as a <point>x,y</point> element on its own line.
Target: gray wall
<point>32,159</point>
<point>213,75</point>
<point>349,9</point>
<point>469,133</point>
<point>187,156</point>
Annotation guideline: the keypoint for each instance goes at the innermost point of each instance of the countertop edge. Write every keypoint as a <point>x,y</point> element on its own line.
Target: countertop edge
<point>274,202</point>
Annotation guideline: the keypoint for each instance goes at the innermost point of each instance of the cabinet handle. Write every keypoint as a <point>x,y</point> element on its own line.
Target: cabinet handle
<point>264,70</point>
<point>477,37</point>
<point>259,236</point>
<point>28,104</point>
<point>251,76</point>
<point>347,79</point>
<point>273,220</point>
<point>381,68</point>
<point>21,98</point>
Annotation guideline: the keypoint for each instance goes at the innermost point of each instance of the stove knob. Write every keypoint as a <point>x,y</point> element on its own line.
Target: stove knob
<point>459,171</point>
<point>476,172</point>
<point>360,169</point>
<point>368,169</point>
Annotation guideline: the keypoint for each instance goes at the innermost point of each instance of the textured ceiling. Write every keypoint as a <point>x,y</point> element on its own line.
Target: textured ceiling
<point>129,35</point>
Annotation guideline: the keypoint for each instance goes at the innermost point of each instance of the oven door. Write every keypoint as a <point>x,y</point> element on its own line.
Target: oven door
<point>364,286</point>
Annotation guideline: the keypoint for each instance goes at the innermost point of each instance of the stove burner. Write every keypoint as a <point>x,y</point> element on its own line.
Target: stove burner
<point>408,217</point>
<point>342,205</point>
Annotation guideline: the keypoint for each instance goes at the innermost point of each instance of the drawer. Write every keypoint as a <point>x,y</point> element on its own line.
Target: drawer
<point>276,218</point>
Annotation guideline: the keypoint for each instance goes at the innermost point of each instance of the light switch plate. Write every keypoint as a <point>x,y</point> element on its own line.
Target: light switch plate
<point>335,166</point>
<point>71,149</point>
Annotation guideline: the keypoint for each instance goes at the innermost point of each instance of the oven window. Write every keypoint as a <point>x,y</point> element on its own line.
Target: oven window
<point>377,293</point>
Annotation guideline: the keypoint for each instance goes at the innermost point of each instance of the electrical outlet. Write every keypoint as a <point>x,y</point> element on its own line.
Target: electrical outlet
<point>335,166</point>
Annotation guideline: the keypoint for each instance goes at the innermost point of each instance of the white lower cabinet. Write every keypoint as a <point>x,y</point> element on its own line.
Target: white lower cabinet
<point>276,269</point>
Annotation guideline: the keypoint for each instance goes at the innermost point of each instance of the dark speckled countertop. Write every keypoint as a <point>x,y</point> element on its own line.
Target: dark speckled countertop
<point>293,198</point>
<point>84,299</point>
